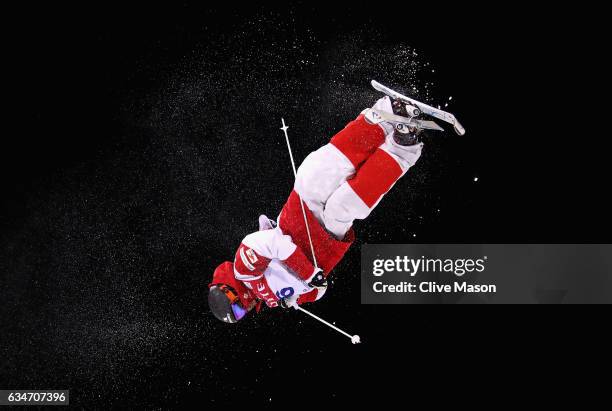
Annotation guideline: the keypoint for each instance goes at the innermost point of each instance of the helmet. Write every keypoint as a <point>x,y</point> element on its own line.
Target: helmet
<point>229,300</point>
<point>225,304</point>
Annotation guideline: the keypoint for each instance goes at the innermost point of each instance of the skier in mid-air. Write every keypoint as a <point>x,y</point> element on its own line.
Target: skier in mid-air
<point>340,182</point>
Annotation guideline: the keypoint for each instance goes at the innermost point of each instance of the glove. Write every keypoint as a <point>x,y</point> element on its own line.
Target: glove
<point>289,302</point>
<point>318,279</point>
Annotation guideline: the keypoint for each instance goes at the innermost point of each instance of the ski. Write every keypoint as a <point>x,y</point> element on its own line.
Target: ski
<point>426,109</point>
<point>379,116</point>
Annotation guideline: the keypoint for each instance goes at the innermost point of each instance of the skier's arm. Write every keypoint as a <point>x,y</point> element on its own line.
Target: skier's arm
<point>259,248</point>
<point>311,296</point>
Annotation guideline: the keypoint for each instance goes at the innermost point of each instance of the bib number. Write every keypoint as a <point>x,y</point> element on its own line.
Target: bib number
<point>285,293</point>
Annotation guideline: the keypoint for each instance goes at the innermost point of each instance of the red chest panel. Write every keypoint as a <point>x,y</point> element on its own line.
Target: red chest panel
<point>263,292</point>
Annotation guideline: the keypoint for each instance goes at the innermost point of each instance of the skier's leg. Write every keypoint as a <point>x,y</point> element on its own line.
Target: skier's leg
<point>357,197</point>
<point>360,139</point>
<point>326,169</point>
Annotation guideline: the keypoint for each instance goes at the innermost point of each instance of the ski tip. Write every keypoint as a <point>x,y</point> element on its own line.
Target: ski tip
<point>459,128</point>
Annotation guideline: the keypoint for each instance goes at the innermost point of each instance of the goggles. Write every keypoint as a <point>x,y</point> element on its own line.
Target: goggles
<point>237,308</point>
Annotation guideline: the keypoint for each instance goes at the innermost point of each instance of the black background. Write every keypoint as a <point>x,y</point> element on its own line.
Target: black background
<point>144,143</point>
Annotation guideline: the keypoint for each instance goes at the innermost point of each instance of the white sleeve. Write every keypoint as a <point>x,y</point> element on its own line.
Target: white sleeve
<point>259,248</point>
<point>270,243</point>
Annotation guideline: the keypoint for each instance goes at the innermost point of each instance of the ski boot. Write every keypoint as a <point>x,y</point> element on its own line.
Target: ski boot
<point>396,117</point>
<point>405,134</point>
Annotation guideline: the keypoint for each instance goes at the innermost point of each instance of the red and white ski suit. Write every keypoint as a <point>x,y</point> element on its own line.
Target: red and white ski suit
<point>340,182</point>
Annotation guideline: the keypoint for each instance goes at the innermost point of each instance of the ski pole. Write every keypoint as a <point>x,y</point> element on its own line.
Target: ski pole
<point>314,258</point>
<point>354,338</point>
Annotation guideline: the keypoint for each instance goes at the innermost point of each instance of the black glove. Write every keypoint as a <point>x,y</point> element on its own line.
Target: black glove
<point>289,302</point>
<point>318,280</point>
